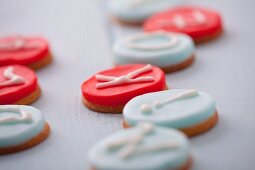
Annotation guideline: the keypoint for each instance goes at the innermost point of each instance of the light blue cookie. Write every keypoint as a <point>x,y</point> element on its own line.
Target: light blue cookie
<point>19,124</point>
<point>157,48</point>
<point>144,147</point>
<point>178,108</point>
<point>136,11</point>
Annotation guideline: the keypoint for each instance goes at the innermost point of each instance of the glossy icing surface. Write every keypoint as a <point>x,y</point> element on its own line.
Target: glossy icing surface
<point>158,149</point>
<point>119,95</point>
<point>138,10</point>
<point>22,50</point>
<point>11,93</point>
<point>161,49</point>
<point>18,124</point>
<point>195,21</point>
<point>181,112</point>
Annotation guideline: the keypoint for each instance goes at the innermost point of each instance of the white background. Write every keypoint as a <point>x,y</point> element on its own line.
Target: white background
<point>81,35</point>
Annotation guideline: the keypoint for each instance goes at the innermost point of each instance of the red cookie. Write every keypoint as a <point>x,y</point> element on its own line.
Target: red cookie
<point>30,51</point>
<point>109,90</point>
<point>200,23</point>
<point>18,85</point>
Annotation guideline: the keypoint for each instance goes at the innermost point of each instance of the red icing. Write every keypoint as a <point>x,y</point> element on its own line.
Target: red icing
<point>211,26</point>
<point>120,95</point>
<point>23,56</point>
<point>11,94</point>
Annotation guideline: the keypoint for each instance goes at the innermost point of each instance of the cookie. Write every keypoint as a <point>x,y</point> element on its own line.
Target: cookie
<point>18,85</point>
<point>21,127</point>
<point>169,51</point>
<point>134,12</point>
<point>33,52</point>
<point>200,23</point>
<point>143,147</point>
<point>109,90</point>
<point>190,111</point>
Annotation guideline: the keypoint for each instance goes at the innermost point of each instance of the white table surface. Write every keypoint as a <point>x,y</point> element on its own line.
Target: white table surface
<point>81,38</point>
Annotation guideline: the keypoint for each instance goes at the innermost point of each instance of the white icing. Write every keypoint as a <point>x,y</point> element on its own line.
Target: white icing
<point>198,18</point>
<point>158,147</point>
<point>179,21</point>
<point>129,145</point>
<point>24,117</point>
<point>125,79</point>
<point>145,108</point>
<point>12,78</point>
<point>172,41</point>
<point>17,43</point>
<point>146,127</point>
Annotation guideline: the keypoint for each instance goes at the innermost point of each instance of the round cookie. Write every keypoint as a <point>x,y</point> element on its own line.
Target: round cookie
<point>109,90</point>
<point>143,147</point>
<point>190,111</point>
<point>21,127</point>
<point>169,51</point>
<point>200,23</point>
<point>134,12</point>
<point>18,85</point>
<point>33,52</point>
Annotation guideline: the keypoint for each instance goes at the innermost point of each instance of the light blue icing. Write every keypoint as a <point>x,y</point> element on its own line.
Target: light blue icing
<point>104,159</point>
<point>125,10</point>
<point>13,134</point>
<point>164,57</point>
<point>181,113</point>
